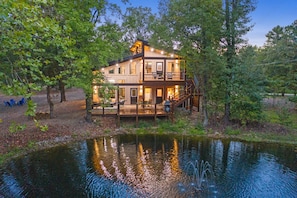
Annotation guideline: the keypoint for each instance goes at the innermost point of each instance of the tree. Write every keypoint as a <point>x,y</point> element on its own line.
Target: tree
<point>248,87</point>
<point>279,59</point>
<point>194,28</point>
<point>97,40</point>
<point>43,43</point>
<point>235,26</point>
<point>136,23</point>
<point>31,46</point>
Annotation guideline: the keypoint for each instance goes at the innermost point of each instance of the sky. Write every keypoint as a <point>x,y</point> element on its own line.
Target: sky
<point>267,15</point>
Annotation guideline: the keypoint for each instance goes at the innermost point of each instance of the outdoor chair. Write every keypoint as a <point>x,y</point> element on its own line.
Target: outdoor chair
<point>12,102</point>
<point>122,102</point>
<point>21,102</point>
<point>7,104</point>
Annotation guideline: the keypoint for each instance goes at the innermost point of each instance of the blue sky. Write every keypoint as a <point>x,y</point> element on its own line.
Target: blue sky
<point>268,14</point>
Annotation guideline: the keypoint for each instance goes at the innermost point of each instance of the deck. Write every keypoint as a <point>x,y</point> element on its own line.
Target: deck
<point>131,110</point>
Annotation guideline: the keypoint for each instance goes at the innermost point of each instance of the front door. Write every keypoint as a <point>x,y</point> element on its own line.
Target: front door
<point>159,95</point>
<point>133,95</point>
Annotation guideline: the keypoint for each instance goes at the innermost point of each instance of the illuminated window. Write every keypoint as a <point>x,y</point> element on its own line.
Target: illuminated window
<point>122,93</point>
<point>148,67</point>
<point>133,68</point>
<point>111,71</point>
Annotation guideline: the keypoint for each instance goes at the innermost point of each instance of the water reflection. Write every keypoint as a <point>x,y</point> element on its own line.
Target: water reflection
<point>152,166</point>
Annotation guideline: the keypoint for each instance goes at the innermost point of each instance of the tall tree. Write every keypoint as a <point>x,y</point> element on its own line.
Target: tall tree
<point>279,59</point>
<point>236,25</point>
<point>136,23</point>
<point>194,28</point>
<point>248,84</point>
<point>97,40</point>
<point>33,40</point>
<point>42,42</point>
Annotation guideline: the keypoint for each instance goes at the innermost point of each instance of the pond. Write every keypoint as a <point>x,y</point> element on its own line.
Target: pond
<point>154,166</point>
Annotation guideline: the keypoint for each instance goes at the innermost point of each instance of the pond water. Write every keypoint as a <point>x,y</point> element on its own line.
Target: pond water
<point>154,166</point>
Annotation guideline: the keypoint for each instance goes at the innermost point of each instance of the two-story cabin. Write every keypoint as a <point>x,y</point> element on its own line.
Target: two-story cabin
<point>148,76</point>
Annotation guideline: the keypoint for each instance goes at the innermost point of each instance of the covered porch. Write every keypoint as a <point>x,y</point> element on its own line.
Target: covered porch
<point>135,110</point>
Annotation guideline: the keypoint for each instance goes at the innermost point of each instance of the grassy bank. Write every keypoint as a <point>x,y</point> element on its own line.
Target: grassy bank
<point>278,127</point>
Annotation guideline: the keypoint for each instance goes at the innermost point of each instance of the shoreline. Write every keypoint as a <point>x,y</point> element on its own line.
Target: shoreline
<point>69,125</point>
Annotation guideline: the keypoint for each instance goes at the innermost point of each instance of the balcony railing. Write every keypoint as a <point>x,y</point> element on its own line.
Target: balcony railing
<point>168,76</point>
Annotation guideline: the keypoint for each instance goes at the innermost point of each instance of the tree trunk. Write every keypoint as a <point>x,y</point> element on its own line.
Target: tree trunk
<point>227,109</point>
<point>204,101</point>
<point>88,108</point>
<point>49,101</point>
<point>62,91</point>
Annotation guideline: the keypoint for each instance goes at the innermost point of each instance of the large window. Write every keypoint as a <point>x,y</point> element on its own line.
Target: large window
<point>133,68</point>
<point>122,93</point>
<point>170,67</point>
<point>122,70</point>
<point>148,67</point>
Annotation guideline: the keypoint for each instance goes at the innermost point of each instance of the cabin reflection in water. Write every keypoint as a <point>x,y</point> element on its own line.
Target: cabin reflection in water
<point>135,165</point>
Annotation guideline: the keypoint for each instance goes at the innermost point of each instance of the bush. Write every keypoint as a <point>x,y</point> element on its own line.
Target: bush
<point>230,131</point>
<point>293,99</point>
<point>284,116</point>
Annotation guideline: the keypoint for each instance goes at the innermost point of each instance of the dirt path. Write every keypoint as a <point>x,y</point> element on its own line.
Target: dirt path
<point>68,123</point>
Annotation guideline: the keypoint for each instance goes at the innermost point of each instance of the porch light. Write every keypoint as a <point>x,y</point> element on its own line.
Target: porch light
<point>102,69</point>
<point>131,61</point>
<point>117,64</point>
<point>152,49</point>
<point>176,61</point>
<point>171,55</point>
<point>162,52</point>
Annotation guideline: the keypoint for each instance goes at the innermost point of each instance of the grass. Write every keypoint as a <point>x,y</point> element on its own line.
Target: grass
<point>283,117</point>
<point>10,154</point>
<point>268,137</point>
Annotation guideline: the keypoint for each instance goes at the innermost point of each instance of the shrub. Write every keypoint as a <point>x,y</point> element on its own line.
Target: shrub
<point>14,127</point>
<point>230,131</point>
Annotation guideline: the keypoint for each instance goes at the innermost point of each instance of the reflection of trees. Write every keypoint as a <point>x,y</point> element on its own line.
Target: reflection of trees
<point>42,174</point>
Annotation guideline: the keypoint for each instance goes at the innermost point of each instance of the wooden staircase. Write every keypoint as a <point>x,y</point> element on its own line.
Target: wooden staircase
<point>184,96</point>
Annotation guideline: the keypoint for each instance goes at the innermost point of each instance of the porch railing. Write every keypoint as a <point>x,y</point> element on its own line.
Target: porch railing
<point>168,76</point>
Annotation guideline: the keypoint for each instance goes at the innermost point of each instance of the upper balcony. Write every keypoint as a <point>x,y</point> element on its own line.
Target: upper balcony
<point>164,76</point>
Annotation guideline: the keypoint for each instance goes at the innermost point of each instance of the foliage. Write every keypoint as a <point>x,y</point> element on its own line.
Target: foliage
<point>236,25</point>
<point>106,92</point>
<point>208,35</point>
<point>14,127</point>
<point>44,43</point>
<point>230,131</point>
<point>293,99</point>
<point>194,28</point>
<point>278,59</point>
<point>41,127</point>
<point>247,88</point>
<point>136,23</point>
<point>144,124</point>
<point>197,130</point>
<point>284,116</point>
<point>179,126</point>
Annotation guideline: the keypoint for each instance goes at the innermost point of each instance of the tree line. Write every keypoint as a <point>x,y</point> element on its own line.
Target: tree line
<point>60,43</point>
